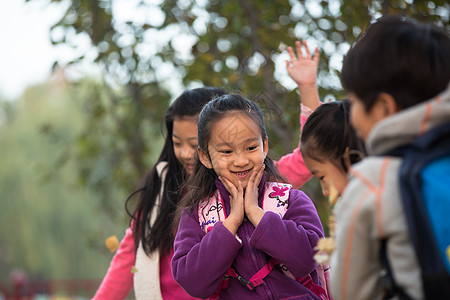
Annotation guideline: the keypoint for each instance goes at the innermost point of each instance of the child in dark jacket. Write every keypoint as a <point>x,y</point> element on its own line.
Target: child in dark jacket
<point>236,217</point>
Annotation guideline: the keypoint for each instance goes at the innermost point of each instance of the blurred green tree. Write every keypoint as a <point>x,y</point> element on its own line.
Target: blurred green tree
<point>50,226</point>
<point>161,46</point>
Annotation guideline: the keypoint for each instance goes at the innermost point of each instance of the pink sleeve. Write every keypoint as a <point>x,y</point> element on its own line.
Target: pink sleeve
<point>291,166</point>
<point>118,280</point>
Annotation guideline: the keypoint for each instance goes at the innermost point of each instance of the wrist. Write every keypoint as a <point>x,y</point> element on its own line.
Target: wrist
<point>309,96</point>
<point>307,87</point>
<point>232,225</point>
<point>255,214</point>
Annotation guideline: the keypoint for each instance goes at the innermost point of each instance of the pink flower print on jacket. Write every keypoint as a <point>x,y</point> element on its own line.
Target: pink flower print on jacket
<point>279,192</point>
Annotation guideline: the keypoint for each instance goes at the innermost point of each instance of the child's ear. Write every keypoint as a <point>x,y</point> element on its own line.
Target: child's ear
<point>387,104</point>
<point>204,158</point>
<point>266,147</point>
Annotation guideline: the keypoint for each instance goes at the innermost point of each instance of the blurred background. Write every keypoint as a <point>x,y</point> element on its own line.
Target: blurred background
<point>84,85</point>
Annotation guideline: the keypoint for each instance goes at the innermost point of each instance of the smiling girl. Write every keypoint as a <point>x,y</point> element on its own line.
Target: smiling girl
<point>241,233</point>
<point>147,244</point>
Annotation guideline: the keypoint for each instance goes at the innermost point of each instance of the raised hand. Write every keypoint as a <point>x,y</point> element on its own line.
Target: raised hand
<point>236,216</point>
<point>303,70</point>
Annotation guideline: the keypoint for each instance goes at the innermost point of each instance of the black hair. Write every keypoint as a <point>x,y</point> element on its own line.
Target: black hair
<point>406,59</point>
<point>159,235</point>
<point>202,183</point>
<point>329,136</point>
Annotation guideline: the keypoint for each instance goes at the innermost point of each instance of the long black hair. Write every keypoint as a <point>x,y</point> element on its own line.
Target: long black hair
<point>159,234</point>
<point>329,136</point>
<point>202,183</point>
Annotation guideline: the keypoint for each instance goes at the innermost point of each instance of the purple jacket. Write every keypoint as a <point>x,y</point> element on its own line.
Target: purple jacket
<point>200,259</point>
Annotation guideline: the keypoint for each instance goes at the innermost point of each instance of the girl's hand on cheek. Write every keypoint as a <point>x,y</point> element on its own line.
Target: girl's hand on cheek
<point>252,210</point>
<point>236,217</point>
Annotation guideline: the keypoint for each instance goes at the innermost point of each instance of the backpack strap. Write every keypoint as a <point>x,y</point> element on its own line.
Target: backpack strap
<point>323,272</point>
<point>317,289</point>
<point>320,290</point>
<point>390,288</point>
<point>251,284</point>
<point>210,211</point>
<point>258,279</point>
<point>430,147</point>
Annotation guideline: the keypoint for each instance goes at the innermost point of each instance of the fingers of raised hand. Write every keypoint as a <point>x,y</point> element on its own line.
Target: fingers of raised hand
<point>298,46</point>
<point>292,54</point>
<point>316,55</point>
<point>308,53</point>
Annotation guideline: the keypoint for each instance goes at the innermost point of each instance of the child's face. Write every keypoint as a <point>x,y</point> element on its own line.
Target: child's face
<point>363,121</point>
<point>236,148</point>
<point>184,138</point>
<point>328,174</point>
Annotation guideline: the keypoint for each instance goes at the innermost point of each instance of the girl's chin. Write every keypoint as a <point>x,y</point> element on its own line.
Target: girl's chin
<point>243,183</point>
<point>189,169</point>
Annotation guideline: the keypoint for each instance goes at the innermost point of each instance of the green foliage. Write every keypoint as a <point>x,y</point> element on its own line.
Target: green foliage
<point>50,226</point>
<point>119,141</point>
<point>231,44</point>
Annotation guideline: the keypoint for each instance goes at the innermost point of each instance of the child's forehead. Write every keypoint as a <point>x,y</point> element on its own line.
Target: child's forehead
<point>237,114</point>
<point>235,127</point>
<point>186,118</point>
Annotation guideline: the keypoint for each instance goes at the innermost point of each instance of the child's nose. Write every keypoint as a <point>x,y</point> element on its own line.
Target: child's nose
<point>240,160</point>
<point>186,152</point>
<point>325,190</point>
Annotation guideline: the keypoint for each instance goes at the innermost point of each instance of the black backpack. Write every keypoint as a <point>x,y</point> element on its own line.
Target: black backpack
<point>425,190</point>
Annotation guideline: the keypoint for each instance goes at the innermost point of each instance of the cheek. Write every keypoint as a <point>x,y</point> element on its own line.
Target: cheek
<point>190,151</point>
<point>262,156</point>
<point>341,184</point>
<point>354,117</point>
<point>356,120</point>
<point>177,152</point>
<point>324,187</point>
<point>219,161</point>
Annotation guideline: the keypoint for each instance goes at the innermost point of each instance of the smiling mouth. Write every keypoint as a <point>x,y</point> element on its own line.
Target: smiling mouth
<point>241,174</point>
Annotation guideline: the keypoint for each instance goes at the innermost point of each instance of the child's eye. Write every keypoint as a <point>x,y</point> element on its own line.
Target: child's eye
<point>176,144</point>
<point>252,148</point>
<point>225,151</point>
<point>321,178</point>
